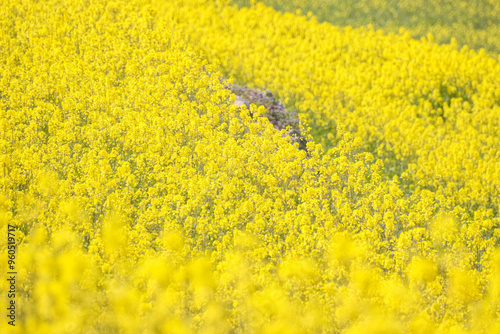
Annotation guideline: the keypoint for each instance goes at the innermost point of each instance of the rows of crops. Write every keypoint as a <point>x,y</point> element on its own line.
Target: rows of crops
<point>146,202</point>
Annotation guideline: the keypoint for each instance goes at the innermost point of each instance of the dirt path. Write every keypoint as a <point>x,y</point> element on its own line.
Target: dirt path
<point>275,111</point>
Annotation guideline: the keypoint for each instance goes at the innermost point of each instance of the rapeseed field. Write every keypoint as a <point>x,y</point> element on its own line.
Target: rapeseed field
<point>475,23</point>
<point>135,197</point>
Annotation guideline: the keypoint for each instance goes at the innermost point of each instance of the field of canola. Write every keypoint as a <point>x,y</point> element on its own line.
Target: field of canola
<point>475,23</point>
<point>146,202</point>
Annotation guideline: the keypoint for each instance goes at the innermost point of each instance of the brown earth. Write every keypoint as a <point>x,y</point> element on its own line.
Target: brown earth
<point>275,111</point>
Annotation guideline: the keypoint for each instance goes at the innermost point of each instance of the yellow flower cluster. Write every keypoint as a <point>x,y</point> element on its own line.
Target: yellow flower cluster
<point>473,23</point>
<point>146,202</point>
